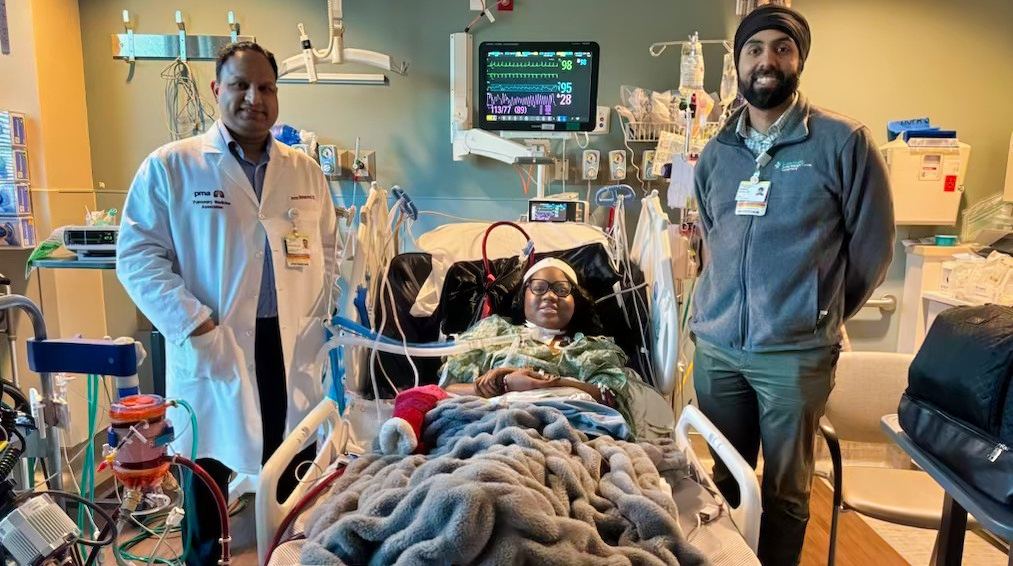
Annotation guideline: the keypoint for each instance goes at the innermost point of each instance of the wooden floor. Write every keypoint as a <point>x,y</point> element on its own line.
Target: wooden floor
<point>857,543</point>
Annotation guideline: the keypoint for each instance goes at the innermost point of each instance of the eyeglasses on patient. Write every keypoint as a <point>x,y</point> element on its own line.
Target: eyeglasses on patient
<point>559,288</point>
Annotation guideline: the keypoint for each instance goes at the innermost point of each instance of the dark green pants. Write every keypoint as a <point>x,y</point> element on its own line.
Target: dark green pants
<point>774,399</point>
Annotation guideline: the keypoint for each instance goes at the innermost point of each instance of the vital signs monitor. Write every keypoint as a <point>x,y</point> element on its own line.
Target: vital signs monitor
<point>538,86</point>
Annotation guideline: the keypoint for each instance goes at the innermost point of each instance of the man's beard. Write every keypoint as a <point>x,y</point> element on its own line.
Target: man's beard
<point>765,98</point>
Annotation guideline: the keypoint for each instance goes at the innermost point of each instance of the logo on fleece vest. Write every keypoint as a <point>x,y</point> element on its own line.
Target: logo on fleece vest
<point>790,166</point>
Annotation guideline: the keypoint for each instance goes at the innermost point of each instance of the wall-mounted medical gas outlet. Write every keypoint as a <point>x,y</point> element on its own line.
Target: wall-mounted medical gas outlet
<point>590,164</point>
<point>647,164</point>
<point>617,165</point>
<point>601,122</point>
<point>361,168</point>
<point>329,163</point>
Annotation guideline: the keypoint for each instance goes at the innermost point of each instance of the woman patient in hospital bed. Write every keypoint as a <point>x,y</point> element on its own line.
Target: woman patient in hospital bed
<point>526,482</point>
<point>566,352</point>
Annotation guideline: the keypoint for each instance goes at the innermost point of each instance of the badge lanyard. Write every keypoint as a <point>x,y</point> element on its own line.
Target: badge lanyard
<point>761,162</point>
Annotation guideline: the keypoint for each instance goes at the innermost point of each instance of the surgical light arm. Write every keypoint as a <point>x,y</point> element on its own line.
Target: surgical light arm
<point>336,53</point>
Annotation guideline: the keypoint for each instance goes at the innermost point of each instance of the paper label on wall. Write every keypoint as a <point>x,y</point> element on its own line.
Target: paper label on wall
<point>931,167</point>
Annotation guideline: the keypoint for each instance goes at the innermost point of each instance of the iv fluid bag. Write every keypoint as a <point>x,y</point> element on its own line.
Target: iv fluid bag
<point>692,68</point>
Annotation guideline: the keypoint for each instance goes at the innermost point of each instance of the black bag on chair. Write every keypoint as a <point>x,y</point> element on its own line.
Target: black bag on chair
<point>958,405</point>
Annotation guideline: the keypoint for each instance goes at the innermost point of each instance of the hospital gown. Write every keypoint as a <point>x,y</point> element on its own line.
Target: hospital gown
<point>592,359</point>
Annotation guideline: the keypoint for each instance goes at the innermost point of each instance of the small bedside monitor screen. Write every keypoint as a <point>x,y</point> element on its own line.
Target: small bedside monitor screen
<point>547,212</point>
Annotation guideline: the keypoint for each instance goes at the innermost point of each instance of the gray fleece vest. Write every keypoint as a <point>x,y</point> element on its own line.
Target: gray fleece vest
<point>788,279</point>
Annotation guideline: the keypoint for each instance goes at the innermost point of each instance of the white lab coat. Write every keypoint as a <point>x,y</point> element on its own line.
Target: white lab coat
<point>191,245</point>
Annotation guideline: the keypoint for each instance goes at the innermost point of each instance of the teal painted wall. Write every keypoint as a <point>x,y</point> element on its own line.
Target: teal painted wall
<point>407,123</point>
<point>872,60</point>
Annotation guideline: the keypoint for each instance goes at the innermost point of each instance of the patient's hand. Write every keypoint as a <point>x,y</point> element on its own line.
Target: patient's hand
<point>490,384</point>
<point>527,379</point>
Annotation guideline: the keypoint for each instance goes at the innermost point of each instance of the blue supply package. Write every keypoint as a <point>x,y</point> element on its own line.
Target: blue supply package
<point>15,198</point>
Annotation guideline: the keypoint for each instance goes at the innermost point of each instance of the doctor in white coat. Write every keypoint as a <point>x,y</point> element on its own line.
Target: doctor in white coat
<point>226,243</point>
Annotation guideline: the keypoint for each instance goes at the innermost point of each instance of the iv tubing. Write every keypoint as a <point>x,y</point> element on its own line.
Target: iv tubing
<point>344,338</point>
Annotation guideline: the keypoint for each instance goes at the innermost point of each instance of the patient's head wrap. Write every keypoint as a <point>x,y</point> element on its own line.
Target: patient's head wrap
<point>552,262</point>
<point>780,18</point>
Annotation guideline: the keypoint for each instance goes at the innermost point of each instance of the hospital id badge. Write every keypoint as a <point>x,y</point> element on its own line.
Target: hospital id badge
<point>297,250</point>
<point>755,192</point>
<point>743,208</point>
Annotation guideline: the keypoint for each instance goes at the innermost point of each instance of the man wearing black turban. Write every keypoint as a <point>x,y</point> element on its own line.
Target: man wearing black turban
<point>798,223</point>
<point>765,86</point>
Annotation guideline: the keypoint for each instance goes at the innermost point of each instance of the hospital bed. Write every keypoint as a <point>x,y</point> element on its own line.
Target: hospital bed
<point>731,539</point>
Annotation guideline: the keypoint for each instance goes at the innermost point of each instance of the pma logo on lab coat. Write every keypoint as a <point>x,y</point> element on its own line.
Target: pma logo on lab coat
<point>210,200</point>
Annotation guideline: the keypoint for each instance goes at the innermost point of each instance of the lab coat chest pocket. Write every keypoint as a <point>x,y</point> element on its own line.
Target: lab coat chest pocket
<point>211,356</point>
<point>307,218</point>
<point>307,205</point>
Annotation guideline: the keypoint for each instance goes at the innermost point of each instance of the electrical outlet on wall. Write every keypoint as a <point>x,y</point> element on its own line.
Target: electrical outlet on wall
<point>601,121</point>
<point>562,172</point>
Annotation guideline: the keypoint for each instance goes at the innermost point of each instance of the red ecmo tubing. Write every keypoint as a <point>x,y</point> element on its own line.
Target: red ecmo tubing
<point>485,240</point>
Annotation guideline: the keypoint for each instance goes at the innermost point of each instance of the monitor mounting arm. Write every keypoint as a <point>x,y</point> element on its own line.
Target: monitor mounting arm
<point>472,141</point>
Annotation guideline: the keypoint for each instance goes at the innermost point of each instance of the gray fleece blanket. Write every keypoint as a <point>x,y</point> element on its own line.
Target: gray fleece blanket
<point>510,484</point>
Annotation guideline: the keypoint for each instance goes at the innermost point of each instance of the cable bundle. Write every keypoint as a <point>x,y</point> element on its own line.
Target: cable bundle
<point>186,114</point>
